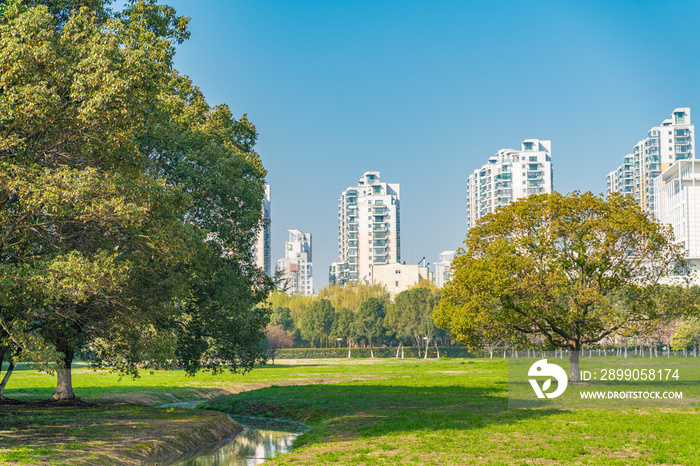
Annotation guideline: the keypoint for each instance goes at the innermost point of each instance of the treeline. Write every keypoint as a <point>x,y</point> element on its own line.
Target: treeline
<point>356,316</point>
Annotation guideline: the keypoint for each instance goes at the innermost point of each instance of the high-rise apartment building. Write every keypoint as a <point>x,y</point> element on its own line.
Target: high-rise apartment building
<point>665,144</point>
<point>296,266</point>
<point>509,175</point>
<point>262,256</point>
<point>442,268</point>
<point>369,227</point>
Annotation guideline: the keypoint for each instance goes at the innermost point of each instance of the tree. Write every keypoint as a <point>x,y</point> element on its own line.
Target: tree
<point>411,315</point>
<point>275,338</point>
<point>369,320</point>
<point>352,295</point>
<point>686,334</point>
<point>149,198</point>
<point>316,323</point>
<point>573,269</point>
<point>282,317</point>
<point>343,326</point>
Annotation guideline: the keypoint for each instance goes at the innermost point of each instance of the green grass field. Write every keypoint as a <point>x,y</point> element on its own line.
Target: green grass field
<point>381,411</point>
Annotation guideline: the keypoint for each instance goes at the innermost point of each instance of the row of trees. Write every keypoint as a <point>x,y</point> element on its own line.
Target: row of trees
<point>128,205</point>
<point>357,314</point>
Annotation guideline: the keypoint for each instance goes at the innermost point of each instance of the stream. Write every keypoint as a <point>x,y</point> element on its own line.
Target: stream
<point>262,439</point>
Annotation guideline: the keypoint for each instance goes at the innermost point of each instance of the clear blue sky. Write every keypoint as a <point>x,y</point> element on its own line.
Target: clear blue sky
<point>426,91</point>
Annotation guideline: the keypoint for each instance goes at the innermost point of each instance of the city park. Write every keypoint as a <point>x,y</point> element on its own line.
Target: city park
<point>128,210</point>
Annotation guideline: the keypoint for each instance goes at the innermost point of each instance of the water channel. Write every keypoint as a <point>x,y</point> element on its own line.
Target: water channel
<point>262,439</point>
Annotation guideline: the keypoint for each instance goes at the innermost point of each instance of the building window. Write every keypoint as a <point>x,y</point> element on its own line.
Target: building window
<point>397,284</point>
<point>529,146</point>
<point>397,271</point>
<point>680,117</point>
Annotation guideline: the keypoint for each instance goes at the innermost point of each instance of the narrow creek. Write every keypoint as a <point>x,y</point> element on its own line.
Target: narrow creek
<point>262,439</point>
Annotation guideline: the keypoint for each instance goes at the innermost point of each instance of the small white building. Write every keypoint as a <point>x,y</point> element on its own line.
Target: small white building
<point>678,193</point>
<point>296,265</point>
<point>398,277</point>
<point>442,268</point>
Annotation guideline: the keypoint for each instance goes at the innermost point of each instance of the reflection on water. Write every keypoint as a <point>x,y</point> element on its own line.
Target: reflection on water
<point>260,440</point>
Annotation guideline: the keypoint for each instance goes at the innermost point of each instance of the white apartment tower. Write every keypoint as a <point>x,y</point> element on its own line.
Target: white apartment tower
<point>665,144</point>
<point>261,249</point>
<point>296,266</point>
<point>369,227</point>
<point>509,175</point>
<point>442,268</point>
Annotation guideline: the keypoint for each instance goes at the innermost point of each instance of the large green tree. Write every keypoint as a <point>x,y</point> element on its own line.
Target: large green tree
<point>572,269</point>
<point>316,323</point>
<point>410,316</point>
<point>128,206</point>
<point>369,321</point>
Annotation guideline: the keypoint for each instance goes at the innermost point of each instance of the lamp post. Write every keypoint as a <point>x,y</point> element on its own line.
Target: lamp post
<point>339,339</point>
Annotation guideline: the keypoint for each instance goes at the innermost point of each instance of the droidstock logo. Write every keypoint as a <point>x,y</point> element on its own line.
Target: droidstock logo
<point>543,368</point>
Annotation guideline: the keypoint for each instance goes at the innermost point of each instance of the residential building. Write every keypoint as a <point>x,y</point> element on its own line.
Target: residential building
<point>338,273</point>
<point>665,144</point>
<point>369,225</point>
<point>622,179</point>
<point>296,266</point>
<point>442,268</point>
<point>262,256</point>
<point>678,205</point>
<point>398,277</point>
<point>509,175</point>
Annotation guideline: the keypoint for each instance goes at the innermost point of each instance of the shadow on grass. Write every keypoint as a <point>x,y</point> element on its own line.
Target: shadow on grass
<point>350,411</point>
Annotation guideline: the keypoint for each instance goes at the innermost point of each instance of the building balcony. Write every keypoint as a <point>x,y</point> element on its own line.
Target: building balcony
<point>379,228</point>
<point>381,243</point>
<point>380,210</point>
<point>377,220</point>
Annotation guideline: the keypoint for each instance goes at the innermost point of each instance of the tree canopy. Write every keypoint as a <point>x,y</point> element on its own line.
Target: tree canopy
<point>570,269</point>
<point>128,205</point>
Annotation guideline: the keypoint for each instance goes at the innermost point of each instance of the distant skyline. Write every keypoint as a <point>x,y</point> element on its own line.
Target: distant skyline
<point>426,92</point>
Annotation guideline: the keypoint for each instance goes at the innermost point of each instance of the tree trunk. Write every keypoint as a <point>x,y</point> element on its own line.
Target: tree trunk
<point>574,372</point>
<point>64,384</point>
<point>427,342</point>
<point>401,351</point>
<point>8,373</point>
<point>437,350</point>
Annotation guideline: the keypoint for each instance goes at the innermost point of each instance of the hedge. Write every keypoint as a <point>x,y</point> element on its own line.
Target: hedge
<point>383,352</point>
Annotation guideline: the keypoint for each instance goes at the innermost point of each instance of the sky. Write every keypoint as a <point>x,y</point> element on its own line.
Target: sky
<point>425,92</point>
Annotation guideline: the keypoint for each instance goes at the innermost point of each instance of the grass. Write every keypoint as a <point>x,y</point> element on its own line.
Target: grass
<point>388,411</point>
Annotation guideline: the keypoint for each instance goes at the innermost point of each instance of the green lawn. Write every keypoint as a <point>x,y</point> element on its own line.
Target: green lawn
<point>382,411</point>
